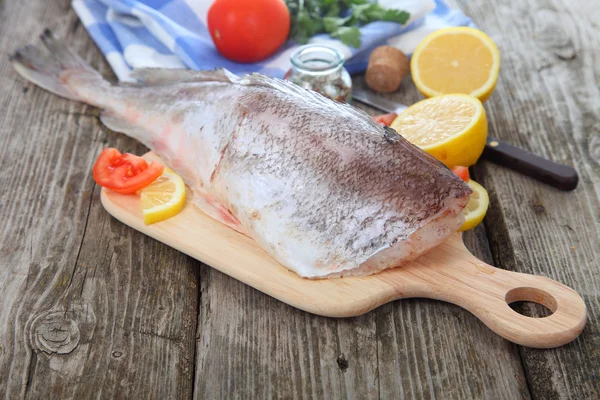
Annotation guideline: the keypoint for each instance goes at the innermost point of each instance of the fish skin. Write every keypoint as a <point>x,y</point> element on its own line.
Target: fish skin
<point>318,184</point>
<point>334,176</point>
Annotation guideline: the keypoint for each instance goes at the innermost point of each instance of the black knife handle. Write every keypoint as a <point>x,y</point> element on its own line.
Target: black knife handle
<point>560,176</point>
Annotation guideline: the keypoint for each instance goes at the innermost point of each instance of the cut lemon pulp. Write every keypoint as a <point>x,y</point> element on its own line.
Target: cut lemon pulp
<point>456,60</point>
<point>476,208</point>
<point>163,198</point>
<point>452,128</point>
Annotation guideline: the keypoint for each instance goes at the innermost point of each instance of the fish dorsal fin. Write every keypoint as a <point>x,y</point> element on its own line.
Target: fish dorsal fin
<point>285,86</point>
<point>256,79</point>
<point>300,92</point>
<point>166,76</point>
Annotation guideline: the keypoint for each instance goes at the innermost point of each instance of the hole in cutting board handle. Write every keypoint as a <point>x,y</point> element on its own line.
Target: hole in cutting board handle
<point>534,295</point>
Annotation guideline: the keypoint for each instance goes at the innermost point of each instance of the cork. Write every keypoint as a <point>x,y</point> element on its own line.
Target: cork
<point>387,67</point>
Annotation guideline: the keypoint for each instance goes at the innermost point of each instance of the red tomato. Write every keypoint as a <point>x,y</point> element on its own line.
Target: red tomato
<point>385,119</point>
<point>462,172</point>
<point>124,173</point>
<point>249,30</point>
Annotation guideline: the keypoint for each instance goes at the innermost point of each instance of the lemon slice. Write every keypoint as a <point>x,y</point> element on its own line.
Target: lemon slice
<point>163,198</point>
<point>452,128</point>
<point>476,207</point>
<point>456,60</point>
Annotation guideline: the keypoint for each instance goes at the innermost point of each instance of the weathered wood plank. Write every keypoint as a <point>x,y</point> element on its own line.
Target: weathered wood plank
<point>548,101</point>
<point>430,349</point>
<point>251,345</point>
<point>88,307</point>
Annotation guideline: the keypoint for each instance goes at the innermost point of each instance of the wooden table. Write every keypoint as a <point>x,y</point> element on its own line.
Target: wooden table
<point>92,308</point>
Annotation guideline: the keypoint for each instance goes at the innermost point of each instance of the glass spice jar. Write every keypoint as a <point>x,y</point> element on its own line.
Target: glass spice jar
<point>321,68</point>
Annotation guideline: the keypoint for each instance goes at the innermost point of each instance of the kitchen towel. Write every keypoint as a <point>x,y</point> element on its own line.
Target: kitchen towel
<point>173,34</point>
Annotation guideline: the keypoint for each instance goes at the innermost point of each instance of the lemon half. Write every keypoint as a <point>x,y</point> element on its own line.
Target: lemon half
<point>163,198</point>
<point>456,60</point>
<point>452,128</point>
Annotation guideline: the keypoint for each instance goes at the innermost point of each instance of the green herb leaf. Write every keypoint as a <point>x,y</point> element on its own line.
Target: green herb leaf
<point>398,16</point>
<point>349,35</point>
<point>340,18</point>
<point>333,10</point>
<point>362,13</point>
<point>331,24</point>
<point>350,3</point>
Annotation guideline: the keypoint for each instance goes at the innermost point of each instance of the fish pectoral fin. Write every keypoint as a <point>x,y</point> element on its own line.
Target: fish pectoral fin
<point>216,211</point>
<point>118,124</point>
<point>165,76</point>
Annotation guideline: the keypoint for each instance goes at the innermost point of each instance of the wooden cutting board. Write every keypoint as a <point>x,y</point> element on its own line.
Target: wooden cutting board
<point>449,272</point>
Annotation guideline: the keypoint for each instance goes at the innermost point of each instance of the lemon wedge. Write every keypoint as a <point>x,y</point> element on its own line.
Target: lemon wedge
<point>456,60</point>
<point>476,208</point>
<point>452,128</point>
<point>163,198</point>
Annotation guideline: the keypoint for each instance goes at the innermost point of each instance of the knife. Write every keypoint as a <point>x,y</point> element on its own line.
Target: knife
<point>554,174</point>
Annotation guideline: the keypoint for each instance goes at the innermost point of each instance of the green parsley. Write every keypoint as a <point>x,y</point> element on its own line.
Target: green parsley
<point>340,18</point>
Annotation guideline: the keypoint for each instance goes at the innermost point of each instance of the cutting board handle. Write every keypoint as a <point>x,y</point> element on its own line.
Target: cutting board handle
<point>487,291</point>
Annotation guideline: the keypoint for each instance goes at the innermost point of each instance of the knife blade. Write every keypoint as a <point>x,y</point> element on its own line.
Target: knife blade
<point>374,100</point>
<point>554,174</point>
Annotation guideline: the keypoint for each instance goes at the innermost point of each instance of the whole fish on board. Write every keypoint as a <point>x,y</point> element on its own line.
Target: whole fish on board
<point>317,184</point>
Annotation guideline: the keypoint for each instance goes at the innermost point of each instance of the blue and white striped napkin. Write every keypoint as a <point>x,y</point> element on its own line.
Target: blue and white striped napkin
<point>173,34</point>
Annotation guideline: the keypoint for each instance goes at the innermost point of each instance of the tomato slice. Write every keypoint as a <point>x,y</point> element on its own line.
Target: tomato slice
<point>124,173</point>
<point>462,172</point>
<point>385,119</point>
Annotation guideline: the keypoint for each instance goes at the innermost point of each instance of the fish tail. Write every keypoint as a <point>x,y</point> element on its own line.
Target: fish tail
<point>59,70</point>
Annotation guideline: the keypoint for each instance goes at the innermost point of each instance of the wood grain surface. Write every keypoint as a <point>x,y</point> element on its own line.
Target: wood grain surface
<point>548,102</point>
<point>88,307</point>
<point>91,308</point>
